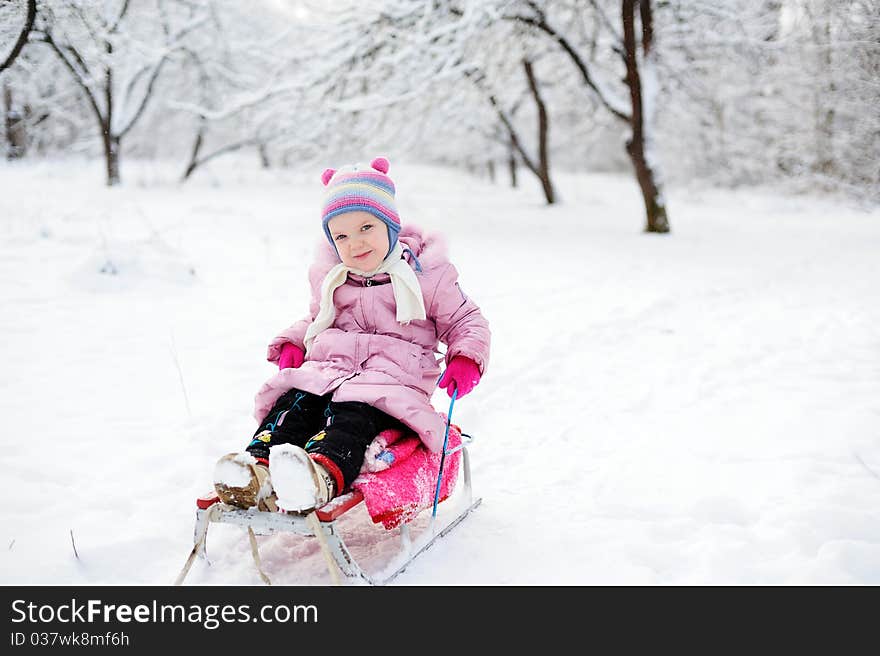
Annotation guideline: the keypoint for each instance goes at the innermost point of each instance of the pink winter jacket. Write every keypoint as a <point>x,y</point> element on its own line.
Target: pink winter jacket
<point>366,355</point>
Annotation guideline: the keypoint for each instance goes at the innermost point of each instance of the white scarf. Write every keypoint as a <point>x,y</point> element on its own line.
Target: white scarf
<point>407,292</point>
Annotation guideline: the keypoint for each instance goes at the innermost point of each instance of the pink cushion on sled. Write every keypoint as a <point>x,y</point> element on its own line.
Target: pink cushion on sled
<point>398,493</point>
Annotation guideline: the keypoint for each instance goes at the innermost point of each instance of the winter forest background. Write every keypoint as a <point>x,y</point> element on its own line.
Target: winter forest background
<point>734,93</point>
<point>669,212</point>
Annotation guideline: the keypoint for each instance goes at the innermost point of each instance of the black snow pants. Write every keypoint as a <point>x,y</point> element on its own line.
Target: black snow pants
<point>338,432</point>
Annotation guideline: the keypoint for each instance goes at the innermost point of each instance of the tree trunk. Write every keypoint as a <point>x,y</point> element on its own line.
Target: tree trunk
<point>16,134</point>
<point>543,128</point>
<point>490,165</point>
<point>194,156</point>
<point>511,166</point>
<point>111,141</point>
<point>111,157</point>
<point>825,160</point>
<point>655,206</point>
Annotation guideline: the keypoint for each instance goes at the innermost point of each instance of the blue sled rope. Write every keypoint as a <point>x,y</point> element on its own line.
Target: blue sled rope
<point>443,454</point>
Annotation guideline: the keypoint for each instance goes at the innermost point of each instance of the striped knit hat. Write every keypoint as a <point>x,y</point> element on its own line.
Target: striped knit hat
<point>351,189</point>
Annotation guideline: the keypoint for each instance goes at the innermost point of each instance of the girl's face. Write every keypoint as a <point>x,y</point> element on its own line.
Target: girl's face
<point>360,238</point>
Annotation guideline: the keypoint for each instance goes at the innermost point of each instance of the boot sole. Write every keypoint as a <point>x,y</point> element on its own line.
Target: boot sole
<point>236,496</point>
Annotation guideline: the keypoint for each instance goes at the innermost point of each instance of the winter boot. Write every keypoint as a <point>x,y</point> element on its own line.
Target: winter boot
<point>300,483</point>
<point>241,481</point>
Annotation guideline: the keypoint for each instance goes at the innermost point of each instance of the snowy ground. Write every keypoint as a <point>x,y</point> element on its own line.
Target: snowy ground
<point>698,408</point>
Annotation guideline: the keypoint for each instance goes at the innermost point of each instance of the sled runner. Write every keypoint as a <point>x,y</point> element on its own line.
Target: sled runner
<point>322,525</point>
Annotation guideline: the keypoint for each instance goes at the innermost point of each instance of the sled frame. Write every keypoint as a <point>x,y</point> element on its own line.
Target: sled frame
<point>322,525</point>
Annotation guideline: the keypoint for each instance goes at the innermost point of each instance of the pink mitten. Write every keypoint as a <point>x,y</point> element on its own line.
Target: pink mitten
<point>462,373</point>
<point>291,356</point>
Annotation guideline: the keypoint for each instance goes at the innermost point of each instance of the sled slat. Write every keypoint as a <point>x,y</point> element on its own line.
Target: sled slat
<point>207,500</point>
<point>339,505</point>
<point>333,510</point>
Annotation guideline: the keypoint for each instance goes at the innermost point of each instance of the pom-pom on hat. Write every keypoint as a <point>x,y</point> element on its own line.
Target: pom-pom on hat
<point>353,188</point>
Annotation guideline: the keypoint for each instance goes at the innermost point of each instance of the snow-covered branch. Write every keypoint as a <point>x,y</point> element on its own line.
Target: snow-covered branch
<point>22,29</point>
<point>604,93</point>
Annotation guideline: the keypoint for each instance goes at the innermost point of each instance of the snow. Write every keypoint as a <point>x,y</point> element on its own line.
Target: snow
<point>292,477</point>
<point>695,408</point>
<point>234,472</point>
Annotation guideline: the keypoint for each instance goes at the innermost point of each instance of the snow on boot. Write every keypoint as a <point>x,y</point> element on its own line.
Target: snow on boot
<point>243,482</point>
<point>300,483</point>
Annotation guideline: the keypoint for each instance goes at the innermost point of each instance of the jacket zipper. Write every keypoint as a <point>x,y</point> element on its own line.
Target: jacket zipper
<point>363,304</point>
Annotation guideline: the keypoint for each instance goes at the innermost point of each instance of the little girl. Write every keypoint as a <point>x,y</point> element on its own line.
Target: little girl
<point>364,360</point>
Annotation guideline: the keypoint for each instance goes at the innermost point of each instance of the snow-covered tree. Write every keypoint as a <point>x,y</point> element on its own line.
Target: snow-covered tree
<point>773,91</point>
<point>115,52</point>
<point>16,22</point>
<point>43,107</point>
<point>730,91</point>
<point>433,76</point>
<point>245,75</point>
<point>631,40</point>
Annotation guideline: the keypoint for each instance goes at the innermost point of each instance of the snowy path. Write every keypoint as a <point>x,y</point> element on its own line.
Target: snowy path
<point>698,408</point>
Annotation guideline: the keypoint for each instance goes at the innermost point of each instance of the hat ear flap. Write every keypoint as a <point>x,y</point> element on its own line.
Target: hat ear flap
<point>380,164</point>
<point>326,175</point>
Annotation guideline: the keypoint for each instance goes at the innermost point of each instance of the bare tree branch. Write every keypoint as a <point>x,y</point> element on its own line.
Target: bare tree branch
<point>77,76</point>
<point>540,22</point>
<point>23,36</point>
<point>606,21</point>
<point>111,29</point>
<point>478,78</point>
<point>148,94</point>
